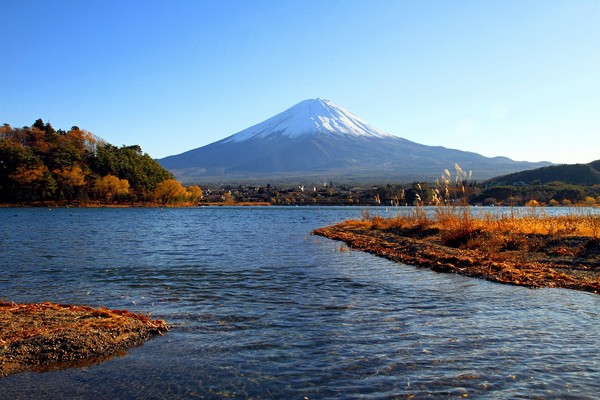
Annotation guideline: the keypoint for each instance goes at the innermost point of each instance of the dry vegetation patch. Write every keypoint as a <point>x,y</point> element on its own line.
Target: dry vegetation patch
<point>50,336</point>
<point>534,249</point>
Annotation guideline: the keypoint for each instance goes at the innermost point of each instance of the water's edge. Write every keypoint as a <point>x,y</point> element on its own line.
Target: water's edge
<point>262,309</point>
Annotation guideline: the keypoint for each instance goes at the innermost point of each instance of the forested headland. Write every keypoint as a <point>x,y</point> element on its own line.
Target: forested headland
<point>41,165</point>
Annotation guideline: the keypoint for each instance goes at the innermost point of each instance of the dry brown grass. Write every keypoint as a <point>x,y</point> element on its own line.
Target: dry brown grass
<point>459,224</point>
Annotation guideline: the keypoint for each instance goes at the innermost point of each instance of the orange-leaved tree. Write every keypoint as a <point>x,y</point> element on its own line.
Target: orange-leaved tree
<point>170,191</point>
<point>70,180</point>
<point>112,188</point>
<point>195,193</point>
<point>35,180</point>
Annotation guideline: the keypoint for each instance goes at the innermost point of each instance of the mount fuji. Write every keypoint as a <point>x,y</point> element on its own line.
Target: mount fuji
<point>316,141</point>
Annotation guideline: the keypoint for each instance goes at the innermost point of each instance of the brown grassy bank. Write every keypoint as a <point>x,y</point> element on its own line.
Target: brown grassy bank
<point>532,250</point>
<point>49,336</point>
<point>94,204</point>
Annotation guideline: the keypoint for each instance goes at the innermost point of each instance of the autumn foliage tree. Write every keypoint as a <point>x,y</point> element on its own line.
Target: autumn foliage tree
<point>195,193</point>
<point>70,180</point>
<point>171,192</point>
<point>111,188</point>
<point>34,181</point>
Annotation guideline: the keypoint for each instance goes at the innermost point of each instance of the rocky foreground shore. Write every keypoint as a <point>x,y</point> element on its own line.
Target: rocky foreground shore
<point>49,336</point>
<point>534,260</point>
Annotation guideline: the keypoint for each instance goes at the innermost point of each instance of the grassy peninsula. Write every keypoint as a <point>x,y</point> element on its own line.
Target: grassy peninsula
<point>530,249</point>
<point>47,336</point>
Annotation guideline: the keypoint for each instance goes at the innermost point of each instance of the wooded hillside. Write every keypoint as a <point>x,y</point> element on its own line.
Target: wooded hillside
<point>39,163</point>
<point>573,174</point>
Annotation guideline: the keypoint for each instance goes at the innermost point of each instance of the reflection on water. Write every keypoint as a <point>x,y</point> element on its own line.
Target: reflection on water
<point>264,310</point>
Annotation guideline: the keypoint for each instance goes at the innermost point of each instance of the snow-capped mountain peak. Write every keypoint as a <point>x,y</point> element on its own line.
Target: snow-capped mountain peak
<point>310,117</point>
<point>317,139</point>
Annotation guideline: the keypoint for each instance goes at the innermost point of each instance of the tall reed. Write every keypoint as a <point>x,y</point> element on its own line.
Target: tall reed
<point>457,221</point>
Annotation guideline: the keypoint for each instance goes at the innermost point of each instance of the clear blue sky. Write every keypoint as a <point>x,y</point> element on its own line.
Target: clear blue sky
<point>512,78</point>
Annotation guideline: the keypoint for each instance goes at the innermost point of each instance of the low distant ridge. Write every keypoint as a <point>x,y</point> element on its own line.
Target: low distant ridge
<point>574,174</point>
<point>318,141</point>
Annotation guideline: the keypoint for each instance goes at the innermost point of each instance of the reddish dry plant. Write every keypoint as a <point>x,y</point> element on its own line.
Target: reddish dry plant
<point>40,320</point>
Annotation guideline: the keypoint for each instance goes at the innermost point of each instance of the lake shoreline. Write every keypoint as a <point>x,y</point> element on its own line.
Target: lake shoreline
<point>534,270</point>
<point>47,336</point>
<point>51,205</point>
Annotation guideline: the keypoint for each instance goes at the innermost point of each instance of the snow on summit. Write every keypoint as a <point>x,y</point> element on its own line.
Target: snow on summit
<point>310,117</point>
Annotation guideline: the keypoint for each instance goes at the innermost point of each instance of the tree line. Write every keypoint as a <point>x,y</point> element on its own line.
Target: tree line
<point>550,194</point>
<point>41,164</point>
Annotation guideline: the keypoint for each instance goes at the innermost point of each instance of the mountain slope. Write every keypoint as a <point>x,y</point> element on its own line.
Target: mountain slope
<point>575,174</point>
<point>318,140</point>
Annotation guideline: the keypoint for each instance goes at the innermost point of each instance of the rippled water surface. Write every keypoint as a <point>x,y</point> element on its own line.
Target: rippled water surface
<point>262,309</point>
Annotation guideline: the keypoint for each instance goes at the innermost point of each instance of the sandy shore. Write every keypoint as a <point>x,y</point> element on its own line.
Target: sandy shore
<point>569,262</point>
<point>49,336</point>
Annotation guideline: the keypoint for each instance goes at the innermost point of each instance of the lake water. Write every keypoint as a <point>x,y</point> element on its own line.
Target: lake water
<point>262,309</point>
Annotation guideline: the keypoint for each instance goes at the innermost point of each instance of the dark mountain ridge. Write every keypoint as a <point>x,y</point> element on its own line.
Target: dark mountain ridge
<point>574,174</point>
